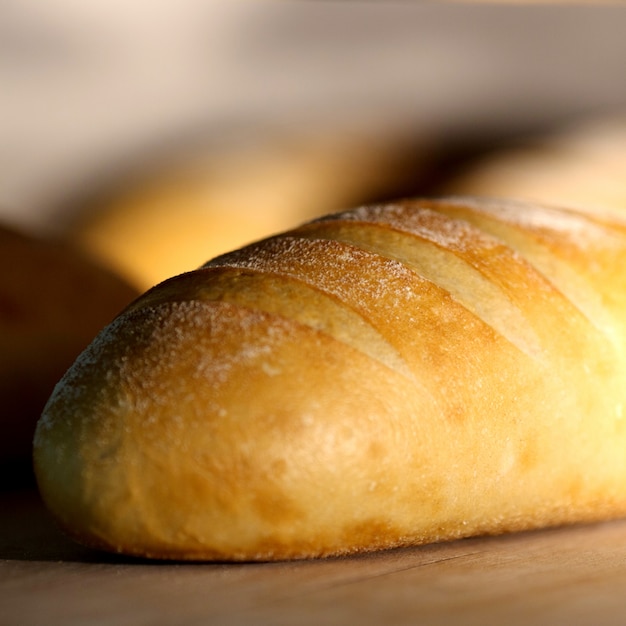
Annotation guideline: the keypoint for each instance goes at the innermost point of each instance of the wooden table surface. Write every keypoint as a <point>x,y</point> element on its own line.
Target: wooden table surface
<point>570,576</point>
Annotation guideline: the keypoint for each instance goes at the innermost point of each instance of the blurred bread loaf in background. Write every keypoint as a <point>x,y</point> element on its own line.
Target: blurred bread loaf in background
<point>53,300</point>
<point>171,212</point>
<point>581,164</point>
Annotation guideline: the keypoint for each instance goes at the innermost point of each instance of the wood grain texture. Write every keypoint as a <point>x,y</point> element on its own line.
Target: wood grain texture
<point>572,576</point>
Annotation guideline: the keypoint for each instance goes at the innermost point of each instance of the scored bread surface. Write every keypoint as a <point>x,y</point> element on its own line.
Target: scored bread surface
<point>393,375</point>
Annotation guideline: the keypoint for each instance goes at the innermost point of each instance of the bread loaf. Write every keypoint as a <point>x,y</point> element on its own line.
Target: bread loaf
<point>388,376</point>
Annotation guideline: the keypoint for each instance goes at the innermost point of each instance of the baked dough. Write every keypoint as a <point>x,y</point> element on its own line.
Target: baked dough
<point>394,375</point>
<point>53,301</point>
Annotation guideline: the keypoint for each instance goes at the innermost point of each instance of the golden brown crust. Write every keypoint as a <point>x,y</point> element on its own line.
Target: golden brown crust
<point>390,376</point>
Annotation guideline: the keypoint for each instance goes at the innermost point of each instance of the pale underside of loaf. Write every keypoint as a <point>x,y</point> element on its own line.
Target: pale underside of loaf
<point>392,375</point>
